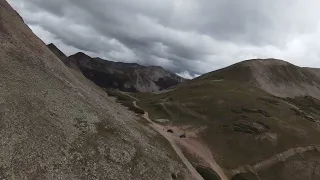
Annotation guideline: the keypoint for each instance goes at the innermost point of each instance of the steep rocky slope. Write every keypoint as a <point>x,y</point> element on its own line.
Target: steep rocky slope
<point>252,117</point>
<point>274,76</point>
<point>55,124</point>
<point>72,65</point>
<point>58,53</point>
<point>125,76</point>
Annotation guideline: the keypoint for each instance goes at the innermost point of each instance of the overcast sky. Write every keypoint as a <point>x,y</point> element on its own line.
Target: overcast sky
<point>189,37</point>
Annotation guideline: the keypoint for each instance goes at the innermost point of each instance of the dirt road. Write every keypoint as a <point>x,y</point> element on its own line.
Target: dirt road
<point>191,145</point>
<point>172,142</point>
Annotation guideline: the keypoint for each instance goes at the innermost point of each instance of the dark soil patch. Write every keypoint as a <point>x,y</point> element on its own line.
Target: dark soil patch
<point>173,176</point>
<point>207,173</point>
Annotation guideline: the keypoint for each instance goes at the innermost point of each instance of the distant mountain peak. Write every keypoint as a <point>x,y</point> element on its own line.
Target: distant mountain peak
<point>277,77</point>
<point>80,54</point>
<point>265,62</point>
<point>124,76</point>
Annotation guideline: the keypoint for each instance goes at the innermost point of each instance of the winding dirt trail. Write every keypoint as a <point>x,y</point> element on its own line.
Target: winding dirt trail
<point>172,142</point>
<point>192,145</point>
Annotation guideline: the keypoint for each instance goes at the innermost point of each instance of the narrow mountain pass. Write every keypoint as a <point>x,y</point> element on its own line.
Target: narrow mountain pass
<point>192,145</point>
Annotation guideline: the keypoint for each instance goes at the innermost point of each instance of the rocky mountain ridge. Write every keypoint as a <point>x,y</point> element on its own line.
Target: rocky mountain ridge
<point>130,77</point>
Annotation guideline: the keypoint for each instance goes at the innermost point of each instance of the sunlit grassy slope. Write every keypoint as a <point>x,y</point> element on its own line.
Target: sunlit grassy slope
<point>244,124</point>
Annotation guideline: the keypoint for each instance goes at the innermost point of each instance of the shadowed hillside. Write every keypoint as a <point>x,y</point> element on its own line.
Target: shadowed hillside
<point>55,124</point>
<point>130,77</point>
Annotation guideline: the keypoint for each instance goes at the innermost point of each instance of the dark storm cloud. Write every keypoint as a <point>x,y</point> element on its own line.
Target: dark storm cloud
<point>188,37</point>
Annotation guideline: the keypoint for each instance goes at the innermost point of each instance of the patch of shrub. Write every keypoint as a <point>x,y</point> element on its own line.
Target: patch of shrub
<point>269,101</point>
<point>260,111</point>
<point>131,107</point>
<point>238,111</point>
<point>240,127</point>
<point>248,110</point>
<point>245,176</point>
<point>303,114</point>
<point>263,124</point>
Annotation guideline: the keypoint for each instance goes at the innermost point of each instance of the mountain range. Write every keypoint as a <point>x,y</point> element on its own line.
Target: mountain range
<point>80,117</point>
<point>130,77</point>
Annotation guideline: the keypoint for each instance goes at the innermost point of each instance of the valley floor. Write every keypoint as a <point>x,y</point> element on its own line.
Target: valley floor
<point>193,150</point>
<point>189,143</point>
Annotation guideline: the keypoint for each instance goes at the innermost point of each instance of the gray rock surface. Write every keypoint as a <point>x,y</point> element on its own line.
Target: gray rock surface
<point>55,124</point>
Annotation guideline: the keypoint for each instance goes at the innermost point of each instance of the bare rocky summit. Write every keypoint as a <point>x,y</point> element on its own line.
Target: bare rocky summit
<point>276,77</point>
<point>55,124</point>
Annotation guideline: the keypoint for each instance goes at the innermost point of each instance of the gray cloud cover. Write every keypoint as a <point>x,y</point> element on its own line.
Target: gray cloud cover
<point>189,37</point>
